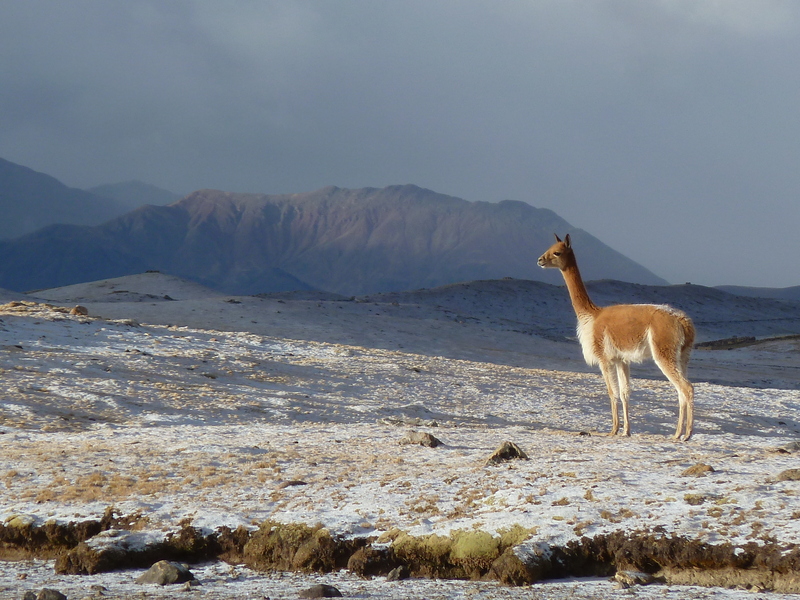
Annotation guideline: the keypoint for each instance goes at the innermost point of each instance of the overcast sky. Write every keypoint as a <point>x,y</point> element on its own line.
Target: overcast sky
<point>668,129</point>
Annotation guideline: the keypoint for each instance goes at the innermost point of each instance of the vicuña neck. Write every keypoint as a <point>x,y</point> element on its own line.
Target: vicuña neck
<point>577,291</point>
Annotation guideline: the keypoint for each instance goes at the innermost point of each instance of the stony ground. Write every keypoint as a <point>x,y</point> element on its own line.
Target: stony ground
<point>232,428</point>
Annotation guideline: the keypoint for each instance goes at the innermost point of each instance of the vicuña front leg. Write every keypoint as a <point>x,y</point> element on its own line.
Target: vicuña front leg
<point>624,378</point>
<point>613,393</point>
<point>685,410</point>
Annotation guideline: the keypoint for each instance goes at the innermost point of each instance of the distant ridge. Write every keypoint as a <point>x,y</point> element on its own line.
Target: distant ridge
<point>30,200</point>
<point>788,293</point>
<point>133,194</point>
<point>545,310</point>
<point>349,242</point>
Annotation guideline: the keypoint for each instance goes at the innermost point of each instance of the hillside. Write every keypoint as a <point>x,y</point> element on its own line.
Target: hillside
<point>510,321</point>
<point>30,200</point>
<point>349,242</point>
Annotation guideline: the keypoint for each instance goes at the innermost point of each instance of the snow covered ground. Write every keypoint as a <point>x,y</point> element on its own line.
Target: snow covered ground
<point>230,411</point>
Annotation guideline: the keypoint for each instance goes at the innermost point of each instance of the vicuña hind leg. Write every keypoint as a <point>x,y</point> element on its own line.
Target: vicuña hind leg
<point>689,389</point>
<point>675,374</point>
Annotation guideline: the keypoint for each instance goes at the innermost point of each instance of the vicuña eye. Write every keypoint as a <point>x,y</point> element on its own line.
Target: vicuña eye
<point>557,253</point>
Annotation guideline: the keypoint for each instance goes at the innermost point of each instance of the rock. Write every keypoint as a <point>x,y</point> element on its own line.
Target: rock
<point>20,521</point>
<point>369,561</point>
<point>619,585</point>
<point>29,595</point>
<point>629,578</point>
<point>321,590</point>
<point>295,482</point>
<point>398,573</point>
<point>789,448</point>
<point>166,572</point>
<point>694,499</point>
<point>698,470</point>
<point>506,451</point>
<point>79,310</point>
<point>50,594</point>
<point>522,565</point>
<point>421,438</point>
<point>789,475</point>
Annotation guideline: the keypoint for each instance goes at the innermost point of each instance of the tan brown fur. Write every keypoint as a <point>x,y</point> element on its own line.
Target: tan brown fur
<point>615,336</point>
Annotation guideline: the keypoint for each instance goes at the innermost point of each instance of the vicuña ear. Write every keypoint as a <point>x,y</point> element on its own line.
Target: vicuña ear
<point>558,239</point>
<point>567,241</point>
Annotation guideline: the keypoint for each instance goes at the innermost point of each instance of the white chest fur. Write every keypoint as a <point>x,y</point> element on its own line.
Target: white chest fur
<point>586,338</point>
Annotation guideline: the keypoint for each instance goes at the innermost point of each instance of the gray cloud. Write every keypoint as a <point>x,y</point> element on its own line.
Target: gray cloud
<point>669,129</point>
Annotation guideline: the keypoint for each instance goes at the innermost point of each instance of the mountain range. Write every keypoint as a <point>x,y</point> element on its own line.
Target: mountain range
<point>351,242</point>
<point>338,240</point>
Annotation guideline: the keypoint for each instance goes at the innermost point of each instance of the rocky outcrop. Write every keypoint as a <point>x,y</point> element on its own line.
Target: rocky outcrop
<point>513,557</point>
<point>297,547</point>
<point>115,549</point>
<point>21,536</point>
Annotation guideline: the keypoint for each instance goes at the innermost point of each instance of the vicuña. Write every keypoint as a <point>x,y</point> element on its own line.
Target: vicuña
<point>615,336</point>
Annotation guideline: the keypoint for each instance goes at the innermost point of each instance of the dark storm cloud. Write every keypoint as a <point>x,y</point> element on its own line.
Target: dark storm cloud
<point>668,129</point>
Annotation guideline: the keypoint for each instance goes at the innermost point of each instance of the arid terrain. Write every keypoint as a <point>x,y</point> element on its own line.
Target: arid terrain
<point>170,407</point>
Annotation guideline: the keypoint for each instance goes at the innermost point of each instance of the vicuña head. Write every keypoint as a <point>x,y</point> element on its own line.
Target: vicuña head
<point>615,336</point>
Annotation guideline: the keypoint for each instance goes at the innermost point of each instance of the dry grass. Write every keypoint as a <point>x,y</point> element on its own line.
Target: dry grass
<point>617,517</point>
